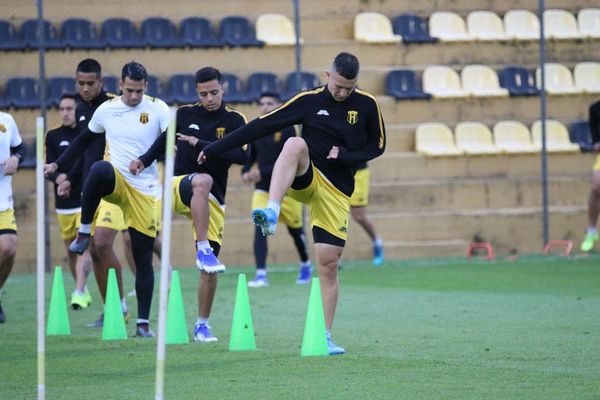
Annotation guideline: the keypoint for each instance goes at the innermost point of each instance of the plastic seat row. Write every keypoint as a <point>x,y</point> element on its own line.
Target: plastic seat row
<point>510,137</point>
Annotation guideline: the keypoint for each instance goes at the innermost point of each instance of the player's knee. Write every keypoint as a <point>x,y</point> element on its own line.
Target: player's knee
<point>358,214</point>
<point>202,183</point>
<point>8,246</point>
<point>102,245</point>
<point>295,145</point>
<point>101,171</point>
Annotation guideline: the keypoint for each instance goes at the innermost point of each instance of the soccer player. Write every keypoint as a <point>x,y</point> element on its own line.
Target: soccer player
<point>68,206</point>
<point>11,154</point>
<point>264,153</point>
<point>342,126</point>
<point>199,190</point>
<point>358,209</point>
<point>131,123</point>
<point>591,235</point>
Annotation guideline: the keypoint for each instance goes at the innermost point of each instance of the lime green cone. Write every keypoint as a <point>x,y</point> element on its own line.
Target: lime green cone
<point>58,317</point>
<point>114,323</point>
<point>177,332</point>
<point>242,329</point>
<point>314,341</point>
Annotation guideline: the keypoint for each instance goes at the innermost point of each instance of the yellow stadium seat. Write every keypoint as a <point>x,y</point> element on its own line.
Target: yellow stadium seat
<point>587,76</point>
<point>448,27</point>
<point>442,82</point>
<point>521,25</point>
<point>475,138</point>
<point>588,20</point>
<point>560,24</point>
<point>372,27</point>
<point>513,137</point>
<point>481,81</point>
<point>559,79</point>
<point>557,137</point>
<point>435,139</point>
<point>485,26</point>
<point>275,30</point>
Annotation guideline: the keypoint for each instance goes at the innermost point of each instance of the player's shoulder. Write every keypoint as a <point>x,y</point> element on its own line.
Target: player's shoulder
<point>155,103</point>
<point>54,131</point>
<point>306,94</point>
<point>365,96</point>
<point>6,118</point>
<point>235,113</point>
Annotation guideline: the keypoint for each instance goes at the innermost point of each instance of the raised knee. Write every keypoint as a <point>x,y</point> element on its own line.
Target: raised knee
<point>8,247</point>
<point>202,182</point>
<point>295,145</point>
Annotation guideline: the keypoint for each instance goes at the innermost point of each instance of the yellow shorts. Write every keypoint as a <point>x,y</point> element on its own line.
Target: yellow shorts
<point>360,196</point>
<point>291,210</point>
<point>329,207</point>
<point>8,224</point>
<point>139,210</point>
<point>597,165</point>
<point>109,215</point>
<point>216,221</point>
<point>69,224</point>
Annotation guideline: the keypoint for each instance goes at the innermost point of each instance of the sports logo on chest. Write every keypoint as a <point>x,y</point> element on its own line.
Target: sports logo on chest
<point>277,137</point>
<point>144,118</point>
<point>220,132</point>
<point>2,128</point>
<point>352,117</point>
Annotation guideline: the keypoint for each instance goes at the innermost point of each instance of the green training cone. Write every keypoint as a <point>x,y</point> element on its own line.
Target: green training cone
<point>58,317</point>
<point>114,323</point>
<point>314,341</point>
<point>242,329</point>
<point>177,332</point>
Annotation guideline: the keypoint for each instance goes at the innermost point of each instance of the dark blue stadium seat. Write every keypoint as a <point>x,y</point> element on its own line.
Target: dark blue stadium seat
<point>57,86</point>
<point>412,28</point>
<point>158,32</point>
<point>198,32</point>
<point>182,89</point>
<point>154,87</point>
<point>8,37</point>
<point>404,84</point>
<point>579,133</point>
<point>237,31</point>
<point>120,33</point>
<point>29,35</point>
<point>308,80</point>
<point>111,84</point>
<point>519,81</point>
<point>79,33</point>
<point>234,90</point>
<point>22,92</point>
<point>259,82</point>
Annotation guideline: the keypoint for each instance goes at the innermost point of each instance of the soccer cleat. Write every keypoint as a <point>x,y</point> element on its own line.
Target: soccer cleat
<point>80,244</point>
<point>378,255</point>
<point>266,219</point>
<point>143,330</point>
<point>208,262</point>
<point>259,281</point>
<point>2,315</point>
<point>99,323</point>
<point>304,275</point>
<point>333,348</point>
<point>80,301</point>
<point>203,334</point>
<point>589,241</point>
<point>88,297</point>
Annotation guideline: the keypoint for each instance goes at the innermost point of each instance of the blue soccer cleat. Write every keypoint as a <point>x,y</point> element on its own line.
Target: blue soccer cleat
<point>143,330</point>
<point>208,262</point>
<point>304,274</point>
<point>334,349</point>
<point>378,254</point>
<point>266,219</point>
<point>203,334</point>
<point>80,244</point>
<point>259,281</point>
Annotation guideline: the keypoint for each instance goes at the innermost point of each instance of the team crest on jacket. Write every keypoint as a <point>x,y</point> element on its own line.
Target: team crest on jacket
<point>220,131</point>
<point>352,117</point>
<point>2,128</point>
<point>277,136</point>
<point>144,118</point>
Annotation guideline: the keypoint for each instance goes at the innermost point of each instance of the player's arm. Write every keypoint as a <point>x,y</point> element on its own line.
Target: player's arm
<point>251,159</point>
<point>155,151</point>
<point>75,149</point>
<point>51,155</point>
<point>17,150</point>
<point>594,121</point>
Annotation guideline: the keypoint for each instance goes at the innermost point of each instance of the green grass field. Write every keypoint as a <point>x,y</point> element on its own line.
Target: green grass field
<point>419,329</point>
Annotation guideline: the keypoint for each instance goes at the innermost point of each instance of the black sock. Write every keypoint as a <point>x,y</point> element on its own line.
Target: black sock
<point>260,249</point>
<point>300,241</point>
<point>142,246</point>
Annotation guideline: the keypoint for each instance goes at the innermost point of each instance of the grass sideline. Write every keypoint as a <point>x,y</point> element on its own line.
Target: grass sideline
<point>418,329</point>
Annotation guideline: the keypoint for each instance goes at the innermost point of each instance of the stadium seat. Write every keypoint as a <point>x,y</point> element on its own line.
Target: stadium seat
<point>182,90</point>
<point>198,32</point>
<point>559,79</point>
<point>237,31</point>
<point>404,84</point>
<point>513,137</point>
<point>588,20</point>
<point>587,77</point>
<point>259,82</point>
<point>486,26</point>
<point>8,37</point>
<point>481,81</point>
<point>276,30</point>
<point>412,29</point>
<point>435,139</point>
<point>120,33</point>
<point>557,137</point>
<point>442,82</point>
<point>579,133</point>
<point>111,84</point>
<point>57,86</point>
<point>308,80</point>
<point>519,81</point>
<point>372,27</point>
<point>448,27</point>
<point>79,33</point>
<point>154,87</point>
<point>521,25</point>
<point>560,24</point>
<point>475,138</point>
<point>158,32</point>
<point>22,92</point>
<point>234,90</point>
<point>29,38</point>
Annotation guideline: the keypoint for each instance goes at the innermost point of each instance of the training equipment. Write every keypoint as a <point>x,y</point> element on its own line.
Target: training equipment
<point>266,219</point>
<point>207,261</point>
<point>242,329</point>
<point>114,324</point>
<point>177,332</point>
<point>58,318</point>
<point>314,341</point>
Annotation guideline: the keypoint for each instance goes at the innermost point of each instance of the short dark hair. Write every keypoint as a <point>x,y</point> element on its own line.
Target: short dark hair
<point>208,74</point>
<point>346,65</point>
<point>89,65</point>
<point>134,71</point>
<point>274,95</point>
<point>68,96</point>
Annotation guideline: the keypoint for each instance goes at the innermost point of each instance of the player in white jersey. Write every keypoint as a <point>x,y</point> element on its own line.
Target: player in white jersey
<point>131,122</point>
<point>11,153</point>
